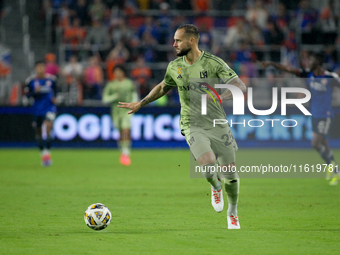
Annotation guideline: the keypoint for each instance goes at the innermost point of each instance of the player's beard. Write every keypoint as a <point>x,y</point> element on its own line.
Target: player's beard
<point>183,52</point>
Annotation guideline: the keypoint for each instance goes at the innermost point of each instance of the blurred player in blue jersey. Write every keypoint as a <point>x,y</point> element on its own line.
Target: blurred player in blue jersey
<point>42,87</point>
<point>320,83</point>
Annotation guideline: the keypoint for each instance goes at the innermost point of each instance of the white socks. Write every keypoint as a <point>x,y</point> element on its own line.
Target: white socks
<point>232,209</point>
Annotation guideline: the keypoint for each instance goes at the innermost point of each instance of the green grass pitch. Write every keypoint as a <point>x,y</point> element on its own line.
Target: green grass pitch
<point>157,208</point>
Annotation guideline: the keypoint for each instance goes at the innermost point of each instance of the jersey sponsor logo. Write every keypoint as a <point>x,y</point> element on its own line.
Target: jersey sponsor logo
<point>186,88</point>
<point>179,69</point>
<point>179,76</point>
<point>203,86</point>
<point>213,90</point>
<point>45,89</point>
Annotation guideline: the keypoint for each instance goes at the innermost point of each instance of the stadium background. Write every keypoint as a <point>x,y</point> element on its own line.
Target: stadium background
<point>84,39</point>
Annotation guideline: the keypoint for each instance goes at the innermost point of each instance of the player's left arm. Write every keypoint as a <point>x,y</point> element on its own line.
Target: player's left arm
<point>158,91</point>
<point>108,95</point>
<point>29,88</point>
<point>228,76</point>
<point>335,79</point>
<point>237,83</point>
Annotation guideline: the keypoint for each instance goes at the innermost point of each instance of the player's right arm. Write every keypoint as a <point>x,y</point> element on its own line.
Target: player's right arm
<point>288,69</point>
<point>109,97</point>
<point>29,88</point>
<point>158,91</point>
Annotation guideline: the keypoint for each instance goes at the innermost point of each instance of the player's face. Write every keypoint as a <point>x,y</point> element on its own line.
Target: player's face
<point>119,74</point>
<point>40,69</point>
<point>182,43</point>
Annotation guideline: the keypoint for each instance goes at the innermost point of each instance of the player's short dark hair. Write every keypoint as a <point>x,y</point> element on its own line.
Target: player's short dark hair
<point>121,67</point>
<point>39,62</point>
<point>320,58</point>
<point>191,30</point>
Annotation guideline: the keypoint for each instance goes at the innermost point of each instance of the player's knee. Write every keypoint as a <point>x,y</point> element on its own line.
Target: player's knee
<point>125,134</point>
<point>48,125</point>
<point>207,158</point>
<point>316,144</point>
<point>208,171</point>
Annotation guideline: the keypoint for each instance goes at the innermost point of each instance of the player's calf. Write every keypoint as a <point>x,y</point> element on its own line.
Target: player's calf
<point>231,187</point>
<point>39,141</point>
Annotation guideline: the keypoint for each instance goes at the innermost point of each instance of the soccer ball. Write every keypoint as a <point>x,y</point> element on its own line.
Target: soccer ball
<point>97,216</point>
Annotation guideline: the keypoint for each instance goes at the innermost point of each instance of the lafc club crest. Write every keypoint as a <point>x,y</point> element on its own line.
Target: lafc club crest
<point>203,74</point>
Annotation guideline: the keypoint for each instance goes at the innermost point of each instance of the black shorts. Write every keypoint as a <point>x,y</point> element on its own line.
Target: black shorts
<point>321,126</point>
<point>39,120</point>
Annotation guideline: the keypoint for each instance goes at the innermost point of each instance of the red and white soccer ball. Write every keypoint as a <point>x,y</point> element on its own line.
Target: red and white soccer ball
<point>97,216</point>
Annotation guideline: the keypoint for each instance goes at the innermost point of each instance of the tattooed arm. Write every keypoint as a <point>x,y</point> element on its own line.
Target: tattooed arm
<point>236,82</point>
<point>158,91</point>
<point>284,68</point>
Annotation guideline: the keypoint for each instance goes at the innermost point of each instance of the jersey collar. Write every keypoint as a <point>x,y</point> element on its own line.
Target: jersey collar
<point>185,63</point>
